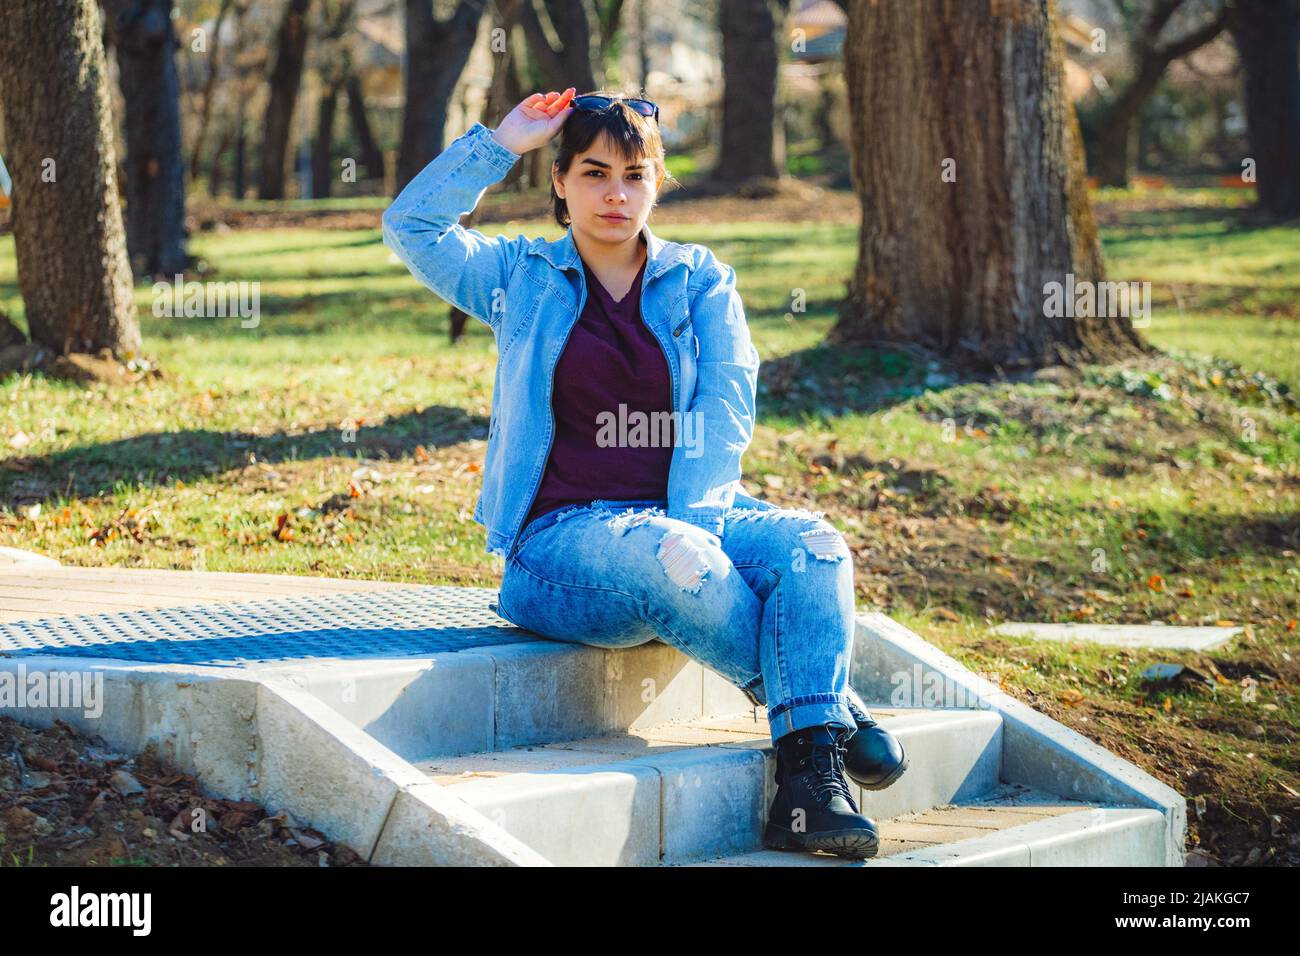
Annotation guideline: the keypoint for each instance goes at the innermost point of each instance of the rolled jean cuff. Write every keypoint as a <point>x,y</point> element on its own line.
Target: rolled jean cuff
<point>810,710</point>
<point>753,689</point>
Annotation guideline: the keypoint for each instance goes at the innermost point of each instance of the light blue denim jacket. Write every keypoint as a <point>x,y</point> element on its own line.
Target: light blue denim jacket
<point>530,293</point>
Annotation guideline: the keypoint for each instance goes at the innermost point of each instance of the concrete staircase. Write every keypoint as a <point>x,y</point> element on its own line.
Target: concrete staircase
<point>699,790</point>
<point>641,758</point>
<point>412,725</point>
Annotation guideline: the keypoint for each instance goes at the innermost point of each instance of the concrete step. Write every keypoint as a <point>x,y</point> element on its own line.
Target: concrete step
<point>687,790</point>
<point>1012,826</point>
<point>503,696</point>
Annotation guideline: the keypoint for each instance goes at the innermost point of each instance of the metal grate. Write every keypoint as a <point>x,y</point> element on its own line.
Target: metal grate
<point>418,620</point>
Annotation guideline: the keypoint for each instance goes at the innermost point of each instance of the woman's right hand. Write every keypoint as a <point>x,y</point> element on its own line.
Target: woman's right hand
<point>533,122</point>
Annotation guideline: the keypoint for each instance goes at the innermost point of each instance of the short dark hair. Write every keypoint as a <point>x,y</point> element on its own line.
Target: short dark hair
<point>634,137</point>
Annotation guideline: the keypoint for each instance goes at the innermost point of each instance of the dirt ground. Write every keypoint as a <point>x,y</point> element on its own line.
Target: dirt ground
<point>1209,760</point>
<point>66,800</point>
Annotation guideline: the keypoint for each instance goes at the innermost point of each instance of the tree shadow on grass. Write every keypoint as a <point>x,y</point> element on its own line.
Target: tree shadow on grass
<point>830,380</point>
<point>953,570</point>
<point>1130,214</point>
<point>159,458</point>
<point>308,315</point>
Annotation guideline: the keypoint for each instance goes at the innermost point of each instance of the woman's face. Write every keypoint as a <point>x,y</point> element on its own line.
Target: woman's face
<point>609,197</point>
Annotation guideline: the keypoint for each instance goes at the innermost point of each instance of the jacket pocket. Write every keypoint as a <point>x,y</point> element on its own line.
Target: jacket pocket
<point>532,303</point>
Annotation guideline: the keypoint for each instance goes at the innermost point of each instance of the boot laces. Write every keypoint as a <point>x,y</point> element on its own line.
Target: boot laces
<point>827,762</point>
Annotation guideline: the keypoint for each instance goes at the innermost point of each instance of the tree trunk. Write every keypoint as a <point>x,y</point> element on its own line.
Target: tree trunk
<point>753,140</point>
<point>642,42</point>
<point>571,63</point>
<point>1115,141</point>
<point>1266,36</point>
<point>506,90</point>
<point>68,233</point>
<point>321,173</point>
<point>209,86</point>
<point>436,54</point>
<point>333,67</point>
<point>238,131</point>
<point>968,164</point>
<point>1115,145</point>
<point>825,110</point>
<point>610,17</point>
<point>215,171</point>
<point>500,101</point>
<point>1114,152</point>
<point>240,176</point>
<point>286,77</point>
<point>145,43</point>
<point>372,157</point>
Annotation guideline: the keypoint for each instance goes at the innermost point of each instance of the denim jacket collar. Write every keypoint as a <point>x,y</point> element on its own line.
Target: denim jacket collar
<point>660,255</point>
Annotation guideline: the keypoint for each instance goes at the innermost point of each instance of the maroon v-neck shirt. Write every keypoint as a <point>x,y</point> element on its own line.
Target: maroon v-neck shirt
<point>611,358</point>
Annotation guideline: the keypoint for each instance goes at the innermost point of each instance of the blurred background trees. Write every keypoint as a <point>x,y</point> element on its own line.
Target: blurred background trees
<point>219,102</point>
<point>270,93</point>
<point>1146,25</point>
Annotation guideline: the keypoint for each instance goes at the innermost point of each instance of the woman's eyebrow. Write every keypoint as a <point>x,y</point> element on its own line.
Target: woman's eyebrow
<point>597,162</point>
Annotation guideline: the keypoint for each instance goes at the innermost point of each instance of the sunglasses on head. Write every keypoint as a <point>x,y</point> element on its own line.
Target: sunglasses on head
<point>595,102</point>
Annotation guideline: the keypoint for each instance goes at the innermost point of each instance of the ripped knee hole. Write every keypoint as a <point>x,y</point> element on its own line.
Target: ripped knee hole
<point>683,560</point>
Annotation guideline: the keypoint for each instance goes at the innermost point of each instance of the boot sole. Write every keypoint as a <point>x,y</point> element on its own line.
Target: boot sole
<point>888,781</point>
<point>854,843</point>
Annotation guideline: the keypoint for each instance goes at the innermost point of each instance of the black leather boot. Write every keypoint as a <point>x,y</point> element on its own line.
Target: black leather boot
<point>873,757</point>
<point>813,808</point>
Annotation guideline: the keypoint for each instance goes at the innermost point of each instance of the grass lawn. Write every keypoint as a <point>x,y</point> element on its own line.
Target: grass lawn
<point>343,436</point>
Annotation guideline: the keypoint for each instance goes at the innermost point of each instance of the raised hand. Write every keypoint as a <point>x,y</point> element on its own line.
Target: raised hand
<point>533,122</point>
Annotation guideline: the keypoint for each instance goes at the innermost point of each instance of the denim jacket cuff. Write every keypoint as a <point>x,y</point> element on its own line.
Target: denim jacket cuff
<point>489,150</point>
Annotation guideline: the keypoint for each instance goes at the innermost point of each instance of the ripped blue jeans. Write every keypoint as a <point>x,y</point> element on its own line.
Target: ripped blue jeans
<point>769,606</point>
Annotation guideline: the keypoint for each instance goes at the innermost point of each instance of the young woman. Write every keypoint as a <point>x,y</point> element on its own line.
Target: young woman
<point>624,398</point>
